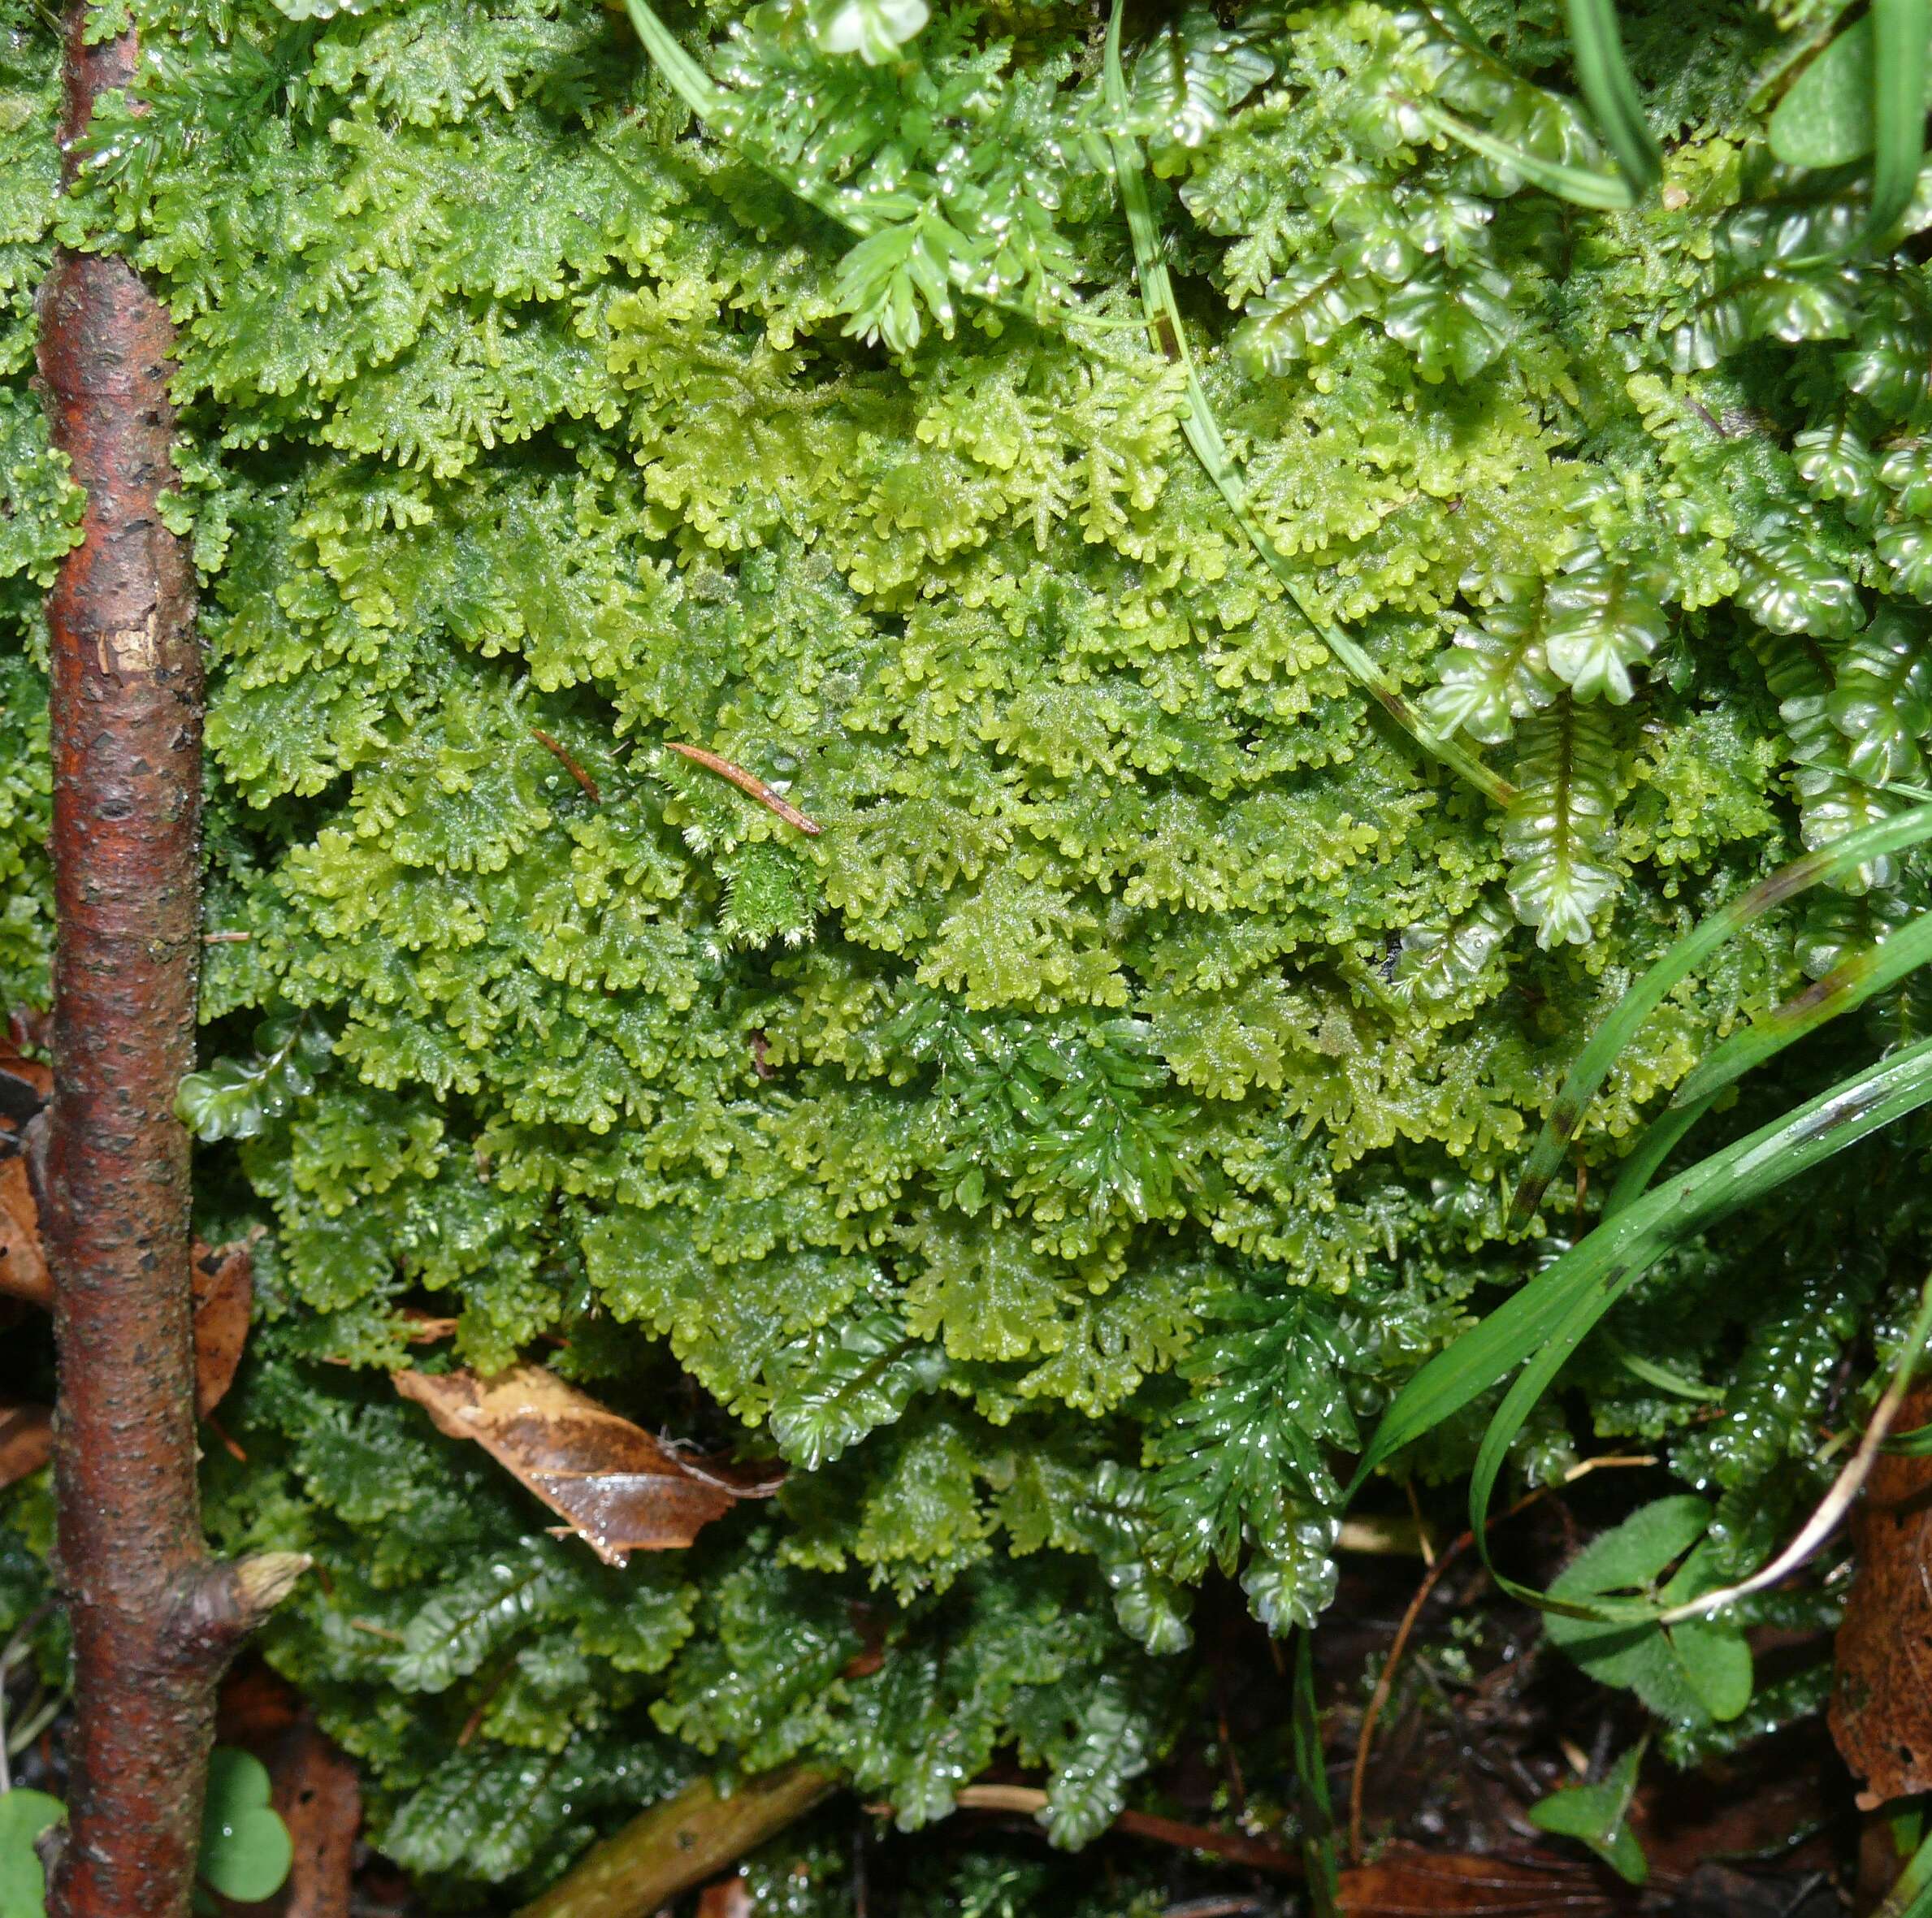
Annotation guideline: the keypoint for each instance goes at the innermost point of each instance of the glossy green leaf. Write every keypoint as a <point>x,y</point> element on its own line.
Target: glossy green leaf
<point>24,1814</point>
<point>1901,39</point>
<point>1597,1815</point>
<point>246,1850</point>
<point>1609,191</point>
<point>1685,1673</point>
<point>1825,118</point>
<point>1543,1324</point>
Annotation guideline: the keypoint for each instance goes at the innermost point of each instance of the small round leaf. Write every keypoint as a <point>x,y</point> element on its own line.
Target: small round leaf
<point>245,1847</point>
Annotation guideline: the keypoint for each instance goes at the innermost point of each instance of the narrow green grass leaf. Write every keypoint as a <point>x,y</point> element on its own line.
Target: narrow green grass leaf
<point>689,81</point>
<point>1609,193</point>
<point>1659,1140</point>
<point>1910,1896</point>
<point>1204,435</point>
<point>1312,1769</point>
<point>1806,1136</point>
<point>1900,28</point>
<point>1604,75</point>
<point>1825,119</point>
<point>1675,1384</point>
<point>1542,1323</point>
<point>1832,862</point>
<point>1846,986</point>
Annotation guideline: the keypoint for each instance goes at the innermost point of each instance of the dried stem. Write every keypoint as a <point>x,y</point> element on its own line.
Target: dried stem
<point>767,797</point>
<point>561,754</point>
<point>679,1844</point>
<point>154,1619</point>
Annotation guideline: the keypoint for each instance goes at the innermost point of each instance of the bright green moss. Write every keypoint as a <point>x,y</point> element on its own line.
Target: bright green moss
<point>1058,1158</point>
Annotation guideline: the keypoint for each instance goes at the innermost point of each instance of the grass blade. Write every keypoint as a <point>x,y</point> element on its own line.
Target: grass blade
<point>1204,435</point>
<point>1312,1769</point>
<point>688,81</point>
<point>1835,861</point>
<point>1846,986</point>
<point>1608,193</point>
<point>1910,1896</point>
<point>1604,75</point>
<point>1559,1306</point>
<point>1900,28</point>
<point>1659,1140</point>
<point>1660,1377</point>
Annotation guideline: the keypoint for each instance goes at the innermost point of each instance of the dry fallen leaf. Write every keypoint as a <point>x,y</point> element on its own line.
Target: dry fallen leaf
<point>224,1290</point>
<point>23,1272</point>
<point>1407,1882</point>
<point>25,1084</point>
<point>25,1087</point>
<point>26,1441</point>
<point>221,1277</point>
<point>317,1793</point>
<point>621,1490</point>
<point>726,1898</point>
<point>1882,1702</point>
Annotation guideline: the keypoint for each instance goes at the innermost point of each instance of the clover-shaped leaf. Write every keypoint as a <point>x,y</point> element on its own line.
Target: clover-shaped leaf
<point>1691,1672</point>
<point>24,1815</point>
<point>245,1847</point>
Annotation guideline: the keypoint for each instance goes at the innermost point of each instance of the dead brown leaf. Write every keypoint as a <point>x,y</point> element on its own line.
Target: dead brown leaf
<point>1408,1882</point>
<point>23,1266</point>
<point>26,1441</point>
<point>725,1898</point>
<point>25,1027</point>
<point>224,1290</point>
<point>621,1490</point>
<point>25,1087</point>
<point>321,1802</point>
<point>1882,1702</point>
<point>25,1084</point>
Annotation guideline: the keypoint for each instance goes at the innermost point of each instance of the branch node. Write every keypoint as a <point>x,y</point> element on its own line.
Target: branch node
<point>265,1580</point>
<point>225,1603</point>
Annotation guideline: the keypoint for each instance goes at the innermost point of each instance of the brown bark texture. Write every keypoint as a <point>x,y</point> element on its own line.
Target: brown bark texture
<point>154,1619</point>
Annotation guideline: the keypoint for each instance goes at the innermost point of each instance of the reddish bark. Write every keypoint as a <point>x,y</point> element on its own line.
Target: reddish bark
<point>154,1619</point>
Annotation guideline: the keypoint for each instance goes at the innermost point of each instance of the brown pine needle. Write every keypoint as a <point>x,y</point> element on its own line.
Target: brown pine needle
<point>226,938</point>
<point>228,1445</point>
<point>569,765</point>
<point>748,782</point>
